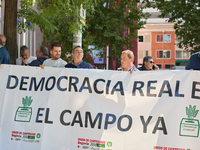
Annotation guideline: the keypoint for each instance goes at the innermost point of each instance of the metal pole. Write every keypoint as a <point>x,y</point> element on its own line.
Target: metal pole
<point>0,18</point>
<point>27,38</point>
<point>19,45</point>
<point>77,36</point>
<point>24,35</point>
<point>107,58</point>
<point>163,49</point>
<point>31,41</point>
<point>34,32</point>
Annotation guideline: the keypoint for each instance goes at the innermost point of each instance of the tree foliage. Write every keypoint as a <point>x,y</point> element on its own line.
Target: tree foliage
<point>57,19</point>
<point>185,15</point>
<point>106,21</point>
<point>109,21</point>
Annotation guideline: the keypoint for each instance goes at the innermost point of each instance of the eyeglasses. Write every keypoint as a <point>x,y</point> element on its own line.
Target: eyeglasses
<point>151,62</point>
<point>79,52</point>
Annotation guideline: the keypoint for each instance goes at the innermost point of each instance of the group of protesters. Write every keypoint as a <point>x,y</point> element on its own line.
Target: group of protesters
<point>42,58</point>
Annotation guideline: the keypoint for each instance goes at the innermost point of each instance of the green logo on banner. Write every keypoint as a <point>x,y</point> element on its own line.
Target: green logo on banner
<point>23,114</point>
<point>109,144</point>
<point>190,127</point>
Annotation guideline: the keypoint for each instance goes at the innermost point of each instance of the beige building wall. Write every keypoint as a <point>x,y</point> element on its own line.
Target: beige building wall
<point>32,39</point>
<point>145,47</point>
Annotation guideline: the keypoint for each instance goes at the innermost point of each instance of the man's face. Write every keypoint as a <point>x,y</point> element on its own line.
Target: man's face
<point>78,54</point>
<point>149,65</point>
<point>3,38</point>
<point>55,53</point>
<point>25,54</point>
<point>125,61</point>
<point>38,53</point>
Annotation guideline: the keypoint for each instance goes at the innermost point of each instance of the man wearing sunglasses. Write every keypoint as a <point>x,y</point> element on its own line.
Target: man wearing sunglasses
<point>148,64</point>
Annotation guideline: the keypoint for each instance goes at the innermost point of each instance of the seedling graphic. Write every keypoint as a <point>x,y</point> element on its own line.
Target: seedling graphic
<point>189,126</point>
<point>23,114</point>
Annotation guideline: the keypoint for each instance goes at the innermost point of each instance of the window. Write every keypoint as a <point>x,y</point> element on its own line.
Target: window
<point>167,66</point>
<point>186,54</point>
<point>159,65</point>
<point>141,39</point>
<point>163,54</point>
<point>159,38</point>
<point>147,38</point>
<point>178,54</point>
<point>182,54</point>
<point>143,53</point>
<point>177,40</point>
<point>167,38</point>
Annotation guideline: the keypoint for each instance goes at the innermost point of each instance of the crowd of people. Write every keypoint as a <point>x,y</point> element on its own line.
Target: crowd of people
<point>42,58</point>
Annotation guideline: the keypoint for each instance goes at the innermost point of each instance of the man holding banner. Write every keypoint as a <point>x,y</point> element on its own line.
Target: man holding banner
<point>55,60</point>
<point>127,58</point>
<point>78,62</point>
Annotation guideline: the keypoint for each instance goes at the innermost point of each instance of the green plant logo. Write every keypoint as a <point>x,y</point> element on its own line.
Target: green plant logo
<point>189,126</point>
<point>109,144</point>
<point>23,114</point>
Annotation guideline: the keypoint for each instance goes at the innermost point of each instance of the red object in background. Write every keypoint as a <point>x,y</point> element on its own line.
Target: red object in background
<point>89,57</point>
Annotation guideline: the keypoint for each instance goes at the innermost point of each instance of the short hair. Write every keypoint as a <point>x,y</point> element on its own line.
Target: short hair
<point>75,48</point>
<point>23,48</point>
<point>129,53</point>
<point>2,35</point>
<point>146,59</point>
<point>44,50</point>
<point>55,44</point>
<point>1,43</point>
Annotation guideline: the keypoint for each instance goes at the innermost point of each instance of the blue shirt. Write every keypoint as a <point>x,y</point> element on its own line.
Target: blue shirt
<point>82,64</point>
<point>38,61</point>
<point>4,56</point>
<point>194,62</point>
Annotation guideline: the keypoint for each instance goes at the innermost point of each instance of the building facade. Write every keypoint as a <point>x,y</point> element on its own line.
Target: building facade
<point>158,39</point>
<point>31,38</point>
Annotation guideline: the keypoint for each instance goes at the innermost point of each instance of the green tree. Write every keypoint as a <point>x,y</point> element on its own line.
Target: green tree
<point>106,21</point>
<point>109,21</point>
<point>47,17</point>
<point>185,15</point>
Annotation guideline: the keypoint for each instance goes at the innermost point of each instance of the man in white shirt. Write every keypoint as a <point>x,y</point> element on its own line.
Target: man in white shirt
<point>55,60</point>
<point>25,58</point>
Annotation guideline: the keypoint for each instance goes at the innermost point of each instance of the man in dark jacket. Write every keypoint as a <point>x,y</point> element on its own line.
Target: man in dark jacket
<point>148,64</point>
<point>42,54</point>
<point>4,55</point>
<point>194,62</point>
<point>78,62</point>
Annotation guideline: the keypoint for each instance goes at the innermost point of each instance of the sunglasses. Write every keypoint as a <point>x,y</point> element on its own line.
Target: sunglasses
<point>151,62</point>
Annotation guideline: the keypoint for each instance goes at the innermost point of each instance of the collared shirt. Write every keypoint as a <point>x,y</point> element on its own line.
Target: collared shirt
<point>143,68</point>
<point>38,61</point>
<point>4,56</point>
<point>133,68</point>
<point>82,64</point>
<point>78,64</point>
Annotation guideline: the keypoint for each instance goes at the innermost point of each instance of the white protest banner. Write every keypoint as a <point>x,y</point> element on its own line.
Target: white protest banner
<point>77,109</point>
